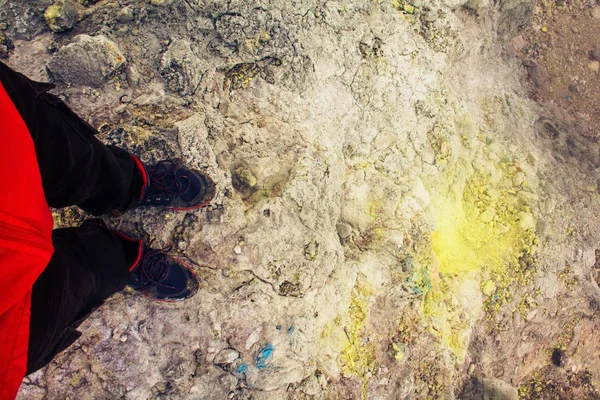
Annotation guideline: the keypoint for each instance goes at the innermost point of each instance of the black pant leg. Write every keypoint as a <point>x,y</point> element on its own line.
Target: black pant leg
<point>89,264</point>
<point>76,168</point>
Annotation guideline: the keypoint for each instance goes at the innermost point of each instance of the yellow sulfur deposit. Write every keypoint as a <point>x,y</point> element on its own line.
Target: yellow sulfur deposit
<point>358,356</point>
<point>483,226</point>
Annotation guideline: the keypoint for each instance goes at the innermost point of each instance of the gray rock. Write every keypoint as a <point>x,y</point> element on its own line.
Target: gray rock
<point>226,356</point>
<point>489,389</point>
<point>61,16</point>
<point>454,4</point>
<point>87,60</point>
<point>181,69</point>
<point>125,15</point>
<point>477,5</point>
<point>495,389</point>
<point>515,16</point>
<point>539,78</point>
<point>243,178</point>
<point>24,20</point>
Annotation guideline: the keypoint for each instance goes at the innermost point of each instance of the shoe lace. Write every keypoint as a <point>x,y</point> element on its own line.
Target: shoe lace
<point>163,182</point>
<point>153,269</point>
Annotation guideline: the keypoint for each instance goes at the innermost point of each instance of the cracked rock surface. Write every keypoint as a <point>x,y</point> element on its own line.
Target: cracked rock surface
<point>394,219</point>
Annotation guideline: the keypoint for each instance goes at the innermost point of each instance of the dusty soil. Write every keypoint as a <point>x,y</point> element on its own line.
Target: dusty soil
<point>561,50</point>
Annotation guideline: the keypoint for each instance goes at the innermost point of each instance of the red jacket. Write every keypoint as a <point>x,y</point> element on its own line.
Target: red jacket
<point>25,242</point>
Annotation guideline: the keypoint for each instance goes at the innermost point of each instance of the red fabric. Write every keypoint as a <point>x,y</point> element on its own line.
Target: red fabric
<point>25,242</point>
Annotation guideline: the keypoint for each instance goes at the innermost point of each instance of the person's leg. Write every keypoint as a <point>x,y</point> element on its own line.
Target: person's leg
<point>76,168</point>
<point>89,264</point>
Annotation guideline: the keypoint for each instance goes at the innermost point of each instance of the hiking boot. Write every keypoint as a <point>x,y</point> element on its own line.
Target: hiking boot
<point>161,276</point>
<point>171,185</point>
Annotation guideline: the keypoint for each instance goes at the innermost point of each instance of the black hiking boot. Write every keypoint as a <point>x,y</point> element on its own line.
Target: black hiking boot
<point>171,185</point>
<point>161,276</point>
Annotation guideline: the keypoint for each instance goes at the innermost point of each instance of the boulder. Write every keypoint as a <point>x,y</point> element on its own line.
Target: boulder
<point>87,60</point>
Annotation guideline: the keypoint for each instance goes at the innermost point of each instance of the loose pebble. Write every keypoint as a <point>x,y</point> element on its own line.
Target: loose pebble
<point>489,288</point>
<point>518,179</point>
<point>488,215</point>
<point>525,220</point>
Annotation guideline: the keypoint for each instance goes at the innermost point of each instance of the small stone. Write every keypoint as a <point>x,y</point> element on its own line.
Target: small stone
<point>237,250</point>
<point>594,66</point>
<point>549,206</point>
<point>310,251</point>
<point>539,77</point>
<point>525,220</point>
<point>244,178</point>
<point>133,76</point>
<point>488,215</point>
<point>61,16</point>
<point>595,55</point>
<point>573,88</point>
<point>518,42</point>
<point>518,179</point>
<point>471,369</point>
<point>489,288</point>
<point>343,230</point>
<point>226,356</point>
<point>123,338</point>
<point>431,16</point>
<point>125,15</point>
<point>493,156</point>
<point>499,390</point>
<point>502,228</point>
<point>596,12</point>
<point>3,26</point>
<point>409,9</point>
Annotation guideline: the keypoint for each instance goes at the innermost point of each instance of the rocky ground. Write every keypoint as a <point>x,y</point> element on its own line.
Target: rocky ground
<point>406,202</point>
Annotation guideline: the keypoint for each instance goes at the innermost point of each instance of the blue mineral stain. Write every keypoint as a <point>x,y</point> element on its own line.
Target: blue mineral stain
<point>278,327</point>
<point>263,356</point>
<point>291,329</point>
<point>242,369</point>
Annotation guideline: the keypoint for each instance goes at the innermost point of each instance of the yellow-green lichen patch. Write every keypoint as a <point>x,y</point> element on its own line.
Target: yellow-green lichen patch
<point>52,13</point>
